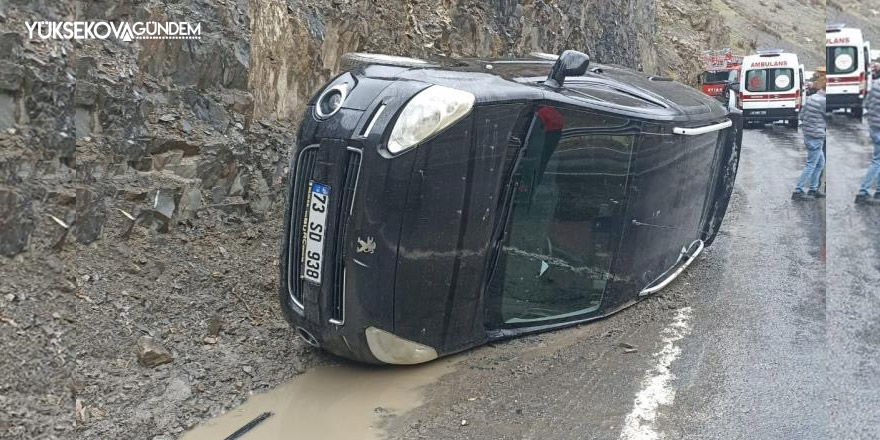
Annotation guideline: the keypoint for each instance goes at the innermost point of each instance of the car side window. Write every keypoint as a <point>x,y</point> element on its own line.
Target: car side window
<point>563,229</point>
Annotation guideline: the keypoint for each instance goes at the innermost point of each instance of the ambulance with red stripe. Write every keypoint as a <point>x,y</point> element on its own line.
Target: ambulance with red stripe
<point>848,64</point>
<point>771,87</point>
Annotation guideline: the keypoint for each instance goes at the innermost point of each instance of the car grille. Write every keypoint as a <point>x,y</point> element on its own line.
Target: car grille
<point>349,183</point>
<point>348,180</point>
<point>305,165</point>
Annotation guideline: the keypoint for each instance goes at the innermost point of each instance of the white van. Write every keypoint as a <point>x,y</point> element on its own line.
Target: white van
<point>771,87</point>
<point>848,64</point>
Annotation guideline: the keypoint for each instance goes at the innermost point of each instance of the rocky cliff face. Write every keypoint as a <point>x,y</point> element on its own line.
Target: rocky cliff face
<point>296,44</point>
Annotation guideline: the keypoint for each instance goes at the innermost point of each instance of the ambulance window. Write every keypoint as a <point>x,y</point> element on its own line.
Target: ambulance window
<point>769,80</point>
<point>756,80</point>
<point>841,60</point>
<point>781,80</point>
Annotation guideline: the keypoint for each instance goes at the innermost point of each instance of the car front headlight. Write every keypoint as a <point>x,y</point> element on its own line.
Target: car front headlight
<point>428,113</point>
<point>392,349</point>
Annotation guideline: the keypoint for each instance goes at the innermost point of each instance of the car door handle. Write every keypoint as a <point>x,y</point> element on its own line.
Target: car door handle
<point>702,130</point>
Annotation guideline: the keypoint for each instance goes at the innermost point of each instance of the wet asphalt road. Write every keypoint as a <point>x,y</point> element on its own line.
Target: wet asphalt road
<point>853,309</point>
<point>734,349</point>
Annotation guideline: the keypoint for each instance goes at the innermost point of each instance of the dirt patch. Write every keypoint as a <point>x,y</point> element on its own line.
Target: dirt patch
<point>206,295</point>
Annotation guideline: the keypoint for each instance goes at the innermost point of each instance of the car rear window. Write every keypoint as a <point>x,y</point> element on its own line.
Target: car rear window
<point>841,59</point>
<point>770,80</point>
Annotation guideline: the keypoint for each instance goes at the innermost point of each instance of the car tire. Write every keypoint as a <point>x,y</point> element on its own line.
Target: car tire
<point>857,112</point>
<point>793,123</point>
<point>354,59</point>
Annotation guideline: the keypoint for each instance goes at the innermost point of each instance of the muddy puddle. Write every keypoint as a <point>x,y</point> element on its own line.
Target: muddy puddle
<point>329,402</point>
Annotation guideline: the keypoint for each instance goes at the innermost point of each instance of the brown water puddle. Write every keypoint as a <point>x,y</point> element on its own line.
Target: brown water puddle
<point>329,402</point>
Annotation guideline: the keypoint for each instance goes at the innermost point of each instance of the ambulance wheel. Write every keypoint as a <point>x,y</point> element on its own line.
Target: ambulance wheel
<point>793,123</point>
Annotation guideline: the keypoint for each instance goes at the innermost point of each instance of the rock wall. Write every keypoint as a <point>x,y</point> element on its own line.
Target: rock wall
<point>296,44</point>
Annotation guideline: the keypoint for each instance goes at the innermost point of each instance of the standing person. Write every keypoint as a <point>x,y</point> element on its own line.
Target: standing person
<point>872,110</point>
<point>812,118</point>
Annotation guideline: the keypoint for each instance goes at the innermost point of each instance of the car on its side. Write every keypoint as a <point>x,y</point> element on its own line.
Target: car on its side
<point>435,206</point>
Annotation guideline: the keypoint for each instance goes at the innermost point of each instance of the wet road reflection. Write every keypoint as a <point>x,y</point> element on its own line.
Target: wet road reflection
<point>853,307</point>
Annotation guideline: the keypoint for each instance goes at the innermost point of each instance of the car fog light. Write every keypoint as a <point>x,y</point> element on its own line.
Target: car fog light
<point>392,349</point>
<point>331,101</point>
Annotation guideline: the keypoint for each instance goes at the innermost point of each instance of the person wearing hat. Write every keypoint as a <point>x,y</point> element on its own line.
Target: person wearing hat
<point>871,105</point>
<point>812,117</point>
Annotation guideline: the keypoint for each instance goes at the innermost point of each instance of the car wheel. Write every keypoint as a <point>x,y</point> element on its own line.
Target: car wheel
<point>793,123</point>
<point>857,113</point>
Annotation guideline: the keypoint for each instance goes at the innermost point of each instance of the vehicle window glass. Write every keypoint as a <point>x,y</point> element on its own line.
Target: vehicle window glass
<point>781,80</point>
<point>841,60</point>
<point>769,80</point>
<point>716,77</point>
<point>756,80</point>
<point>563,229</point>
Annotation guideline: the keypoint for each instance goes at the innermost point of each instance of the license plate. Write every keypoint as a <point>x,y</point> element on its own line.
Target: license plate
<point>759,112</point>
<point>315,229</point>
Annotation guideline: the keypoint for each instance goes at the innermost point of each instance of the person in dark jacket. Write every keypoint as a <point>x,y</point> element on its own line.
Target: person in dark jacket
<point>872,176</point>
<point>812,118</point>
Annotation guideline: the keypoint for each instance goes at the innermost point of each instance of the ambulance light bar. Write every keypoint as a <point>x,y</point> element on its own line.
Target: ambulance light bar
<point>770,52</point>
<point>834,27</point>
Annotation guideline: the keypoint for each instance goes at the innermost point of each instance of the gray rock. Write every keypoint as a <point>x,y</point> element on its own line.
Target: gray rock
<point>7,111</point>
<point>163,203</point>
<point>187,169</point>
<point>178,390</point>
<point>238,185</point>
<point>152,354</point>
<point>16,221</point>
<point>162,160</point>
<point>90,215</point>
<point>190,203</point>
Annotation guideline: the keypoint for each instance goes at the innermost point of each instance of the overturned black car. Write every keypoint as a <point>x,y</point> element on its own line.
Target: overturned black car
<point>435,207</point>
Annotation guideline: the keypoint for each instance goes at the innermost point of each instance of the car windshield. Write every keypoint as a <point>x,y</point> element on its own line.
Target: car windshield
<point>564,223</point>
<point>769,80</point>
<point>841,59</point>
<point>718,77</point>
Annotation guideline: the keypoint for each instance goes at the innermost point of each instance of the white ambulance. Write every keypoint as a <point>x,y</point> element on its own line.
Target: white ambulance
<point>848,64</point>
<point>771,87</point>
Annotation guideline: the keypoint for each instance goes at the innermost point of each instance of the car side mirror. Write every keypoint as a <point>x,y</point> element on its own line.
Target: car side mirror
<point>734,87</point>
<point>570,63</point>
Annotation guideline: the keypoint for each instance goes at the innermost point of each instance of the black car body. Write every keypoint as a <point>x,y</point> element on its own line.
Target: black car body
<point>546,204</point>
